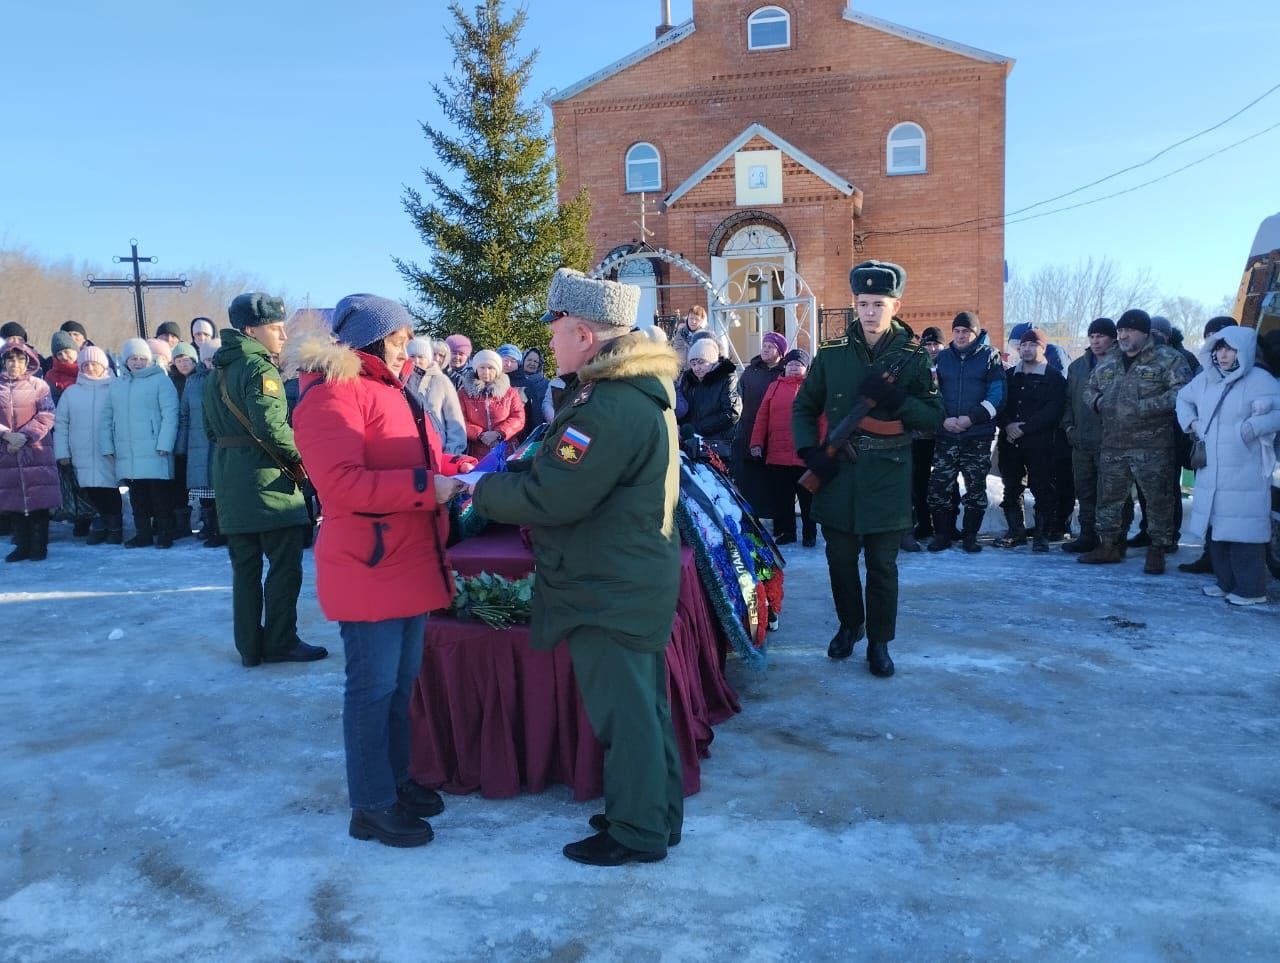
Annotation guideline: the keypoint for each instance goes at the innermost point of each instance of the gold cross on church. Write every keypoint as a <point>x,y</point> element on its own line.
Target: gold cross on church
<point>645,233</point>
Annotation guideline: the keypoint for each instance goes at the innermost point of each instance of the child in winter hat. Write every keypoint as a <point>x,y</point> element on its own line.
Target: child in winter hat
<point>161,353</point>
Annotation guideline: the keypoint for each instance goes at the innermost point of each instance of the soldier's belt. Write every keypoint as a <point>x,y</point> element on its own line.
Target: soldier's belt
<point>237,441</point>
<point>878,442</point>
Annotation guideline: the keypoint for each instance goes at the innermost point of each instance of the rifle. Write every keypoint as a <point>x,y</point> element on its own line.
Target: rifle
<point>840,438</point>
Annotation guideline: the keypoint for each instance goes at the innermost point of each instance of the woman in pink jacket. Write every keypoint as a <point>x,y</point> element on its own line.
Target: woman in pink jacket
<point>381,566</point>
<point>28,472</point>
<point>771,440</point>
<point>492,410</point>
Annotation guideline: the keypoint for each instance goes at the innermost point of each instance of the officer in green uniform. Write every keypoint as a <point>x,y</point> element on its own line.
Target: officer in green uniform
<point>864,505</point>
<point>255,464</point>
<point>600,496</point>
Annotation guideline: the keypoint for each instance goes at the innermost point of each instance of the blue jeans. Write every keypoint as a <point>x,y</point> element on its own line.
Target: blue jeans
<point>383,659</point>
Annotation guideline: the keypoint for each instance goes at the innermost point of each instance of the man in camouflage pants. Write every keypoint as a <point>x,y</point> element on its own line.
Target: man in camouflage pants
<point>1134,393</point>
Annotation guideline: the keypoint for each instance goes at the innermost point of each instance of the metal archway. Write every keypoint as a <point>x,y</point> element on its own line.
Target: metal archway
<point>788,293</point>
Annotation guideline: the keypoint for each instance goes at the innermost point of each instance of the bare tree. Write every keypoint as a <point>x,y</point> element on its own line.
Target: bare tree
<point>1064,299</point>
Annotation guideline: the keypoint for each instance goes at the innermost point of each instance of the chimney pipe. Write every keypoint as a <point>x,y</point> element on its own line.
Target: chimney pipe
<point>665,25</point>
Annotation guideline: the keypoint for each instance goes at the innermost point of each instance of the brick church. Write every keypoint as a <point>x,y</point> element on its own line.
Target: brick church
<point>774,145</point>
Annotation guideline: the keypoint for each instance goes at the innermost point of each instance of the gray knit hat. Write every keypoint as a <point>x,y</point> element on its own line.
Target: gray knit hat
<point>607,302</point>
<point>362,319</point>
<point>61,341</point>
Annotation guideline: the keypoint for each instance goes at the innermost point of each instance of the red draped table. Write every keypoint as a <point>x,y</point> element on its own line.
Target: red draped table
<point>491,714</point>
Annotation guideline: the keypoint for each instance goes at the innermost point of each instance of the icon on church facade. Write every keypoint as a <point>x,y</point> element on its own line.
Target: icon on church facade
<point>757,177</point>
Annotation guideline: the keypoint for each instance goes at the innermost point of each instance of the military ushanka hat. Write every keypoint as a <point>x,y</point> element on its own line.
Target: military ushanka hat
<point>878,277</point>
<point>255,308</point>
<point>606,302</point>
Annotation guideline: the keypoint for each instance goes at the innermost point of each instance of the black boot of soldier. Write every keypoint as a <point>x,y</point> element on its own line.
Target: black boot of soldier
<point>878,660</point>
<point>842,643</point>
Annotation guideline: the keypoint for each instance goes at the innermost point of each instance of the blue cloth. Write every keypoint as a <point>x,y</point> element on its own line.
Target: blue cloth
<point>966,379</point>
<point>383,659</point>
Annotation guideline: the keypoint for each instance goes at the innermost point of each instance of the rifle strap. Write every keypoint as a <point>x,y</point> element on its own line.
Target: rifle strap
<point>248,426</point>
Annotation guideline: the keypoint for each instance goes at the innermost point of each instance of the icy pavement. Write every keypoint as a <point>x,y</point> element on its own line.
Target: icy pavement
<point>1072,762</point>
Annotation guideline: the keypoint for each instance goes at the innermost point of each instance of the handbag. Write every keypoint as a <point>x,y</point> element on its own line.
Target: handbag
<point>1199,457</point>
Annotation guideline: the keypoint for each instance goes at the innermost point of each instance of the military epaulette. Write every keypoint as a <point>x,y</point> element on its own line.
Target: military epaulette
<point>834,343</point>
<point>584,394</point>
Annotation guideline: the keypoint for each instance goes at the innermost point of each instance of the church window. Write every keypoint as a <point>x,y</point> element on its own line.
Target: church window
<point>769,28</point>
<point>644,168</point>
<point>905,152</point>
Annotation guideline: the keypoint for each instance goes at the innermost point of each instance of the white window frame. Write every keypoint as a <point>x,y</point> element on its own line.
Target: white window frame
<point>629,160</point>
<point>921,141</point>
<point>770,15</point>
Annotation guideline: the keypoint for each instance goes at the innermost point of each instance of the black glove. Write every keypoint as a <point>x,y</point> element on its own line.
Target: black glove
<point>819,462</point>
<point>886,394</point>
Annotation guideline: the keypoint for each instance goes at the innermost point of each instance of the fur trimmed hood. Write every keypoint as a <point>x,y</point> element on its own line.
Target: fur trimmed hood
<point>631,356</point>
<point>473,387</point>
<point>312,347</point>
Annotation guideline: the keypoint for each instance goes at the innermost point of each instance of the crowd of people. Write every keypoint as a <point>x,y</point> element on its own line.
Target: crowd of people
<point>871,437</point>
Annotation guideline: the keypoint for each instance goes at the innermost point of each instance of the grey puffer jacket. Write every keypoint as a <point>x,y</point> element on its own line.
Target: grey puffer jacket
<point>440,400</point>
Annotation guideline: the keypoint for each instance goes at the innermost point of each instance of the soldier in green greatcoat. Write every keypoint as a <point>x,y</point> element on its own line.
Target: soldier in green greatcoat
<point>600,496</point>
<point>864,505</point>
<point>255,466</point>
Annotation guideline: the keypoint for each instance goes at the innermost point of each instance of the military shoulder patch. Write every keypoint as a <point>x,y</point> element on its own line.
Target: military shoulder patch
<point>271,386</point>
<point>834,343</point>
<point>584,394</point>
<point>572,446</point>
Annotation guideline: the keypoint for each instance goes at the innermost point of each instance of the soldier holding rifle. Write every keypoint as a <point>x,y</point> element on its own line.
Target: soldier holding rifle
<point>875,388</point>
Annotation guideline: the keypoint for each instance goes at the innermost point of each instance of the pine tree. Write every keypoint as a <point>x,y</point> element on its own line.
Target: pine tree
<point>494,230</point>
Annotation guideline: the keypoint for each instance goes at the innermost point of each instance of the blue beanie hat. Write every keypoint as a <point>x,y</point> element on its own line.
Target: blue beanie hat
<point>512,352</point>
<point>362,319</point>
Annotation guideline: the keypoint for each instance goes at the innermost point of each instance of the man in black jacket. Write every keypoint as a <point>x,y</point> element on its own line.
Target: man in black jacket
<point>1029,425</point>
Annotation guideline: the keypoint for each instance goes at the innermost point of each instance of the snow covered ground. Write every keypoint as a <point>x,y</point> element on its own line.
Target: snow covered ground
<point>1072,762</point>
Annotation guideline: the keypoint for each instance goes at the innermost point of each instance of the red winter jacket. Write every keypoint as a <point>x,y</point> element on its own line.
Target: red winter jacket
<point>380,552</point>
<point>772,430</point>
<point>500,409</point>
<point>60,377</point>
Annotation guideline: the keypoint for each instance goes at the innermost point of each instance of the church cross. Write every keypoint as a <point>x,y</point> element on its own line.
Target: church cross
<point>138,283</point>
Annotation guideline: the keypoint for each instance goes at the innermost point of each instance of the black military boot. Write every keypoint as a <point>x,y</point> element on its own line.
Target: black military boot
<point>164,531</point>
<point>600,823</point>
<point>391,827</point>
<point>1087,542</point>
<point>39,535</point>
<point>97,531</point>
<point>143,533</point>
<point>1017,533</point>
<point>418,800</point>
<point>841,646</point>
<point>182,522</point>
<point>20,529</point>
<point>214,537</point>
<point>1040,540</point>
<point>115,529</point>
<point>878,660</point>
<point>943,523</point>
<point>972,525</point>
<point>908,542</point>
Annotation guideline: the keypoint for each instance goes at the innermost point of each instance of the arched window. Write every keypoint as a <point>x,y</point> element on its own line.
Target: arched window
<point>769,28</point>
<point>644,169</point>
<point>905,152</point>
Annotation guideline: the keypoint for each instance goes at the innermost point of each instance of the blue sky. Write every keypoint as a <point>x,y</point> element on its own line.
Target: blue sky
<point>275,138</point>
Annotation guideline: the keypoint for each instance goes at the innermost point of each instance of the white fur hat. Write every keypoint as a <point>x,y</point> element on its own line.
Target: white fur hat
<point>488,358</point>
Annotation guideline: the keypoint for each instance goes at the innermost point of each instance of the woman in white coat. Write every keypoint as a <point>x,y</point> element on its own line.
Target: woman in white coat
<point>1235,407</point>
<point>77,428</point>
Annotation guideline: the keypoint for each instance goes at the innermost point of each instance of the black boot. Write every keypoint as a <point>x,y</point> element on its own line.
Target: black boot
<point>391,827</point>
<point>878,660</point>
<point>1087,542</point>
<point>81,527</point>
<point>214,537</point>
<point>164,531</point>
<point>943,523</point>
<point>908,542</point>
<point>20,529</point>
<point>1201,566</point>
<point>97,531</point>
<point>842,643</point>
<point>182,522</point>
<point>972,525</point>
<point>143,533</point>
<point>39,535</point>
<point>115,529</point>
<point>810,538</point>
<point>1040,541</point>
<point>1017,533</point>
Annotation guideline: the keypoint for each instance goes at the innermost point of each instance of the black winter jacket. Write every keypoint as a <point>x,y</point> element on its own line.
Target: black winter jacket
<point>714,405</point>
<point>1036,400</point>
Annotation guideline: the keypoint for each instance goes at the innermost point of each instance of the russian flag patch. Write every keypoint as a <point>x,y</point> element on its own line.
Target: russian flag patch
<point>573,445</point>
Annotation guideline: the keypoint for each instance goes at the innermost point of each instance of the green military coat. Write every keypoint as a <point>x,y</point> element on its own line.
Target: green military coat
<point>600,496</point>
<point>872,494</point>
<point>253,494</point>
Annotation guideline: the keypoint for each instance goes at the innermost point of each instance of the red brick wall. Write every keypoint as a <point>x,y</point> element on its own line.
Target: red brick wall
<point>834,95</point>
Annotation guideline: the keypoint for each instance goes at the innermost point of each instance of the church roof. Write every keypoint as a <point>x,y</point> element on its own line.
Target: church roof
<point>678,33</point>
<point>760,130</point>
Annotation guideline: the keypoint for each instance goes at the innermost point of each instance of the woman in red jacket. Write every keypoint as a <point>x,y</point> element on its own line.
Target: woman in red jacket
<point>771,440</point>
<point>492,410</point>
<point>380,558</point>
